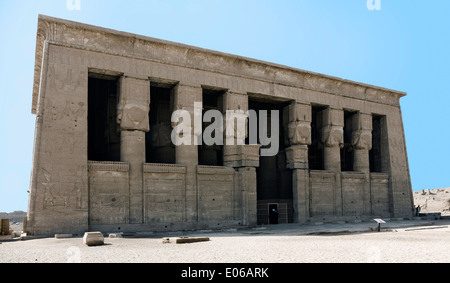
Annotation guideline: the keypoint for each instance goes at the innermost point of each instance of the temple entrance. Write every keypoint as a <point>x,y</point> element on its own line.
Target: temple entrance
<point>273,213</point>
<point>274,180</point>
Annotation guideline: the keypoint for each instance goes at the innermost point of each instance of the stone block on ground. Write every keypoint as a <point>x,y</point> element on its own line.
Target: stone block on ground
<point>116,235</point>
<point>184,240</point>
<point>93,239</point>
<point>62,236</point>
<point>188,240</point>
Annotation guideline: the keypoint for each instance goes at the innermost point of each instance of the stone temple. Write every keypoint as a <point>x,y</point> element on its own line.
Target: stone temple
<point>104,160</point>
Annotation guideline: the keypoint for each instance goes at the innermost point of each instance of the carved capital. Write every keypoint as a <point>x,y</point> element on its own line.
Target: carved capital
<point>133,116</point>
<point>187,97</point>
<point>362,139</point>
<point>362,133</point>
<point>333,127</point>
<point>299,133</point>
<point>134,104</point>
<point>299,127</point>
<point>332,136</point>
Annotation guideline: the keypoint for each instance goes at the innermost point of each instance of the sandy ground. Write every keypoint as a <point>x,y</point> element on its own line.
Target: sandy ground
<point>402,242</point>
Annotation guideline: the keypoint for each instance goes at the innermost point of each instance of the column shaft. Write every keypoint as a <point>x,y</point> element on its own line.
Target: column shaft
<point>132,150</point>
<point>244,158</point>
<point>184,98</point>
<point>299,134</point>
<point>333,138</point>
<point>361,160</point>
<point>362,143</point>
<point>247,182</point>
<point>132,115</point>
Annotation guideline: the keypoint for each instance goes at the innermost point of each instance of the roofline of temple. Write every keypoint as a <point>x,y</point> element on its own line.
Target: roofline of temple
<point>44,32</point>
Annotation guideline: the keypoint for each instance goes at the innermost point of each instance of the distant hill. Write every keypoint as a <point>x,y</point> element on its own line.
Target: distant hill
<point>16,216</point>
<point>436,200</point>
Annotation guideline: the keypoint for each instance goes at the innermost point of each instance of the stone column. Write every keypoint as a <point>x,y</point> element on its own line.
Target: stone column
<point>299,134</point>
<point>247,182</point>
<point>243,158</point>
<point>237,106</point>
<point>362,143</point>
<point>185,95</point>
<point>333,139</point>
<point>132,115</point>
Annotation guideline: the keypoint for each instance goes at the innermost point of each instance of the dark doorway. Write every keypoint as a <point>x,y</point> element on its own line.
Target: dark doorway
<point>211,155</point>
<point>274,180</point>
<point>379,142</point>
<point>158,144</point>
<point>103,130</point>
<point>273,213</point>
<point>347,151</point>
<point>316,148</point>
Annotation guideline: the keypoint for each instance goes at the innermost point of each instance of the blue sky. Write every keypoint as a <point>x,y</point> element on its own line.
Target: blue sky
<point>404,46</point>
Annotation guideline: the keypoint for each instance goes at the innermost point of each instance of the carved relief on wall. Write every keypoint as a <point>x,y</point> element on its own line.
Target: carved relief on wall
<point>58,144</point>
<point>49,188</point>
<point>71,111</point>
<point>62,195</point>
<point>63,79</point>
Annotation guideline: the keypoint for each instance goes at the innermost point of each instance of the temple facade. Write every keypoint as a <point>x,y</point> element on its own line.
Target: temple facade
<point>104,155</point>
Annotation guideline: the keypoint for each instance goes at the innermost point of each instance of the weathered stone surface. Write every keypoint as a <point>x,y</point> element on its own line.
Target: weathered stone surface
<point>93,239</point>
